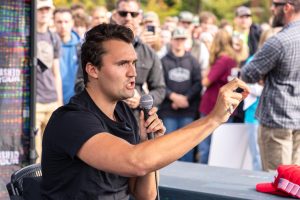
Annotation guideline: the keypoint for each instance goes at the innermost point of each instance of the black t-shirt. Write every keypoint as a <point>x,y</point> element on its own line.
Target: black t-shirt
<point>65,176</point>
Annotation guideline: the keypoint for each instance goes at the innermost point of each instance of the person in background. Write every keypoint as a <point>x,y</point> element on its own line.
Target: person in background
<point>208,22</point>
<point>250,107</point>
<point>149,69</point>
<point>243,25</point>
<point>222,60</point>
<point>225,24</point>
<point>165,39</point>
<point>81,24</point>
<point>99,16</point>
<point>48,79</point>
<point>186,21</point>
<point>277,65</point>
<point>201,45</point>
<point>78,8</point>
<point>182,76</point>
<point>170,23</point>
<point>102,153</point>
<point>250,32</point>
<point>150,30</point>
<point>70,44</point>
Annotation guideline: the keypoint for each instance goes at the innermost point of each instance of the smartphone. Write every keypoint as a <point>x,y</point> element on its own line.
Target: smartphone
<point>151,28</point>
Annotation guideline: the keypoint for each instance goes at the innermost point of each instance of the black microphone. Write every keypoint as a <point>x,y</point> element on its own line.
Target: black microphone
<point>146,103</point>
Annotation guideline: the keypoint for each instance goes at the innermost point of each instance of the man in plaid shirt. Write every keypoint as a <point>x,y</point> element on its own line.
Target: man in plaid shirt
<point>278,64</point>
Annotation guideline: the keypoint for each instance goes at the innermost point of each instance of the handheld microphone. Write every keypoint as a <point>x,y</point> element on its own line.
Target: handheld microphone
<point>146,103</point>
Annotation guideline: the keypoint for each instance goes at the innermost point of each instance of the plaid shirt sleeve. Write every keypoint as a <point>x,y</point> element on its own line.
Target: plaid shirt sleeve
<point>263,62</point>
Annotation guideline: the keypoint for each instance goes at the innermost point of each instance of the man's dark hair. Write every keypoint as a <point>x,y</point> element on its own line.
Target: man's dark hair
<point>76,6</point>
<point>62,10</point>
<point>92,49</point>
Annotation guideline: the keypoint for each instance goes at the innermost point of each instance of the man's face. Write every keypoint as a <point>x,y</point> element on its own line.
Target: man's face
<point>278,14</point>
<point>243,22</point>
<point>186,24</point>
<point>99,17</point>
<point>116,77</point>
<point>128,14</point>
<point>63,22</point>
<point>206,25</point>
<point>178,44</point>
<point>44,15</point>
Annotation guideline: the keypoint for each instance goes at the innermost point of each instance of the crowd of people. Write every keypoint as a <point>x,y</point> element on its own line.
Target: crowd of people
<point>183,62</point>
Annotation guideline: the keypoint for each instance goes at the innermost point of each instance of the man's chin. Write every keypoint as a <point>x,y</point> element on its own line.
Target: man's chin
<point>130,26</point>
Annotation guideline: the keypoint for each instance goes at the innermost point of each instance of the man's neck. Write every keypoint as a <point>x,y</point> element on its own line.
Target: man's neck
<point>42,28</point>
<point>178,53</point>
<point>243,30</point>
<point>105,105</point>
<point>66,38</point>
<point>295,17</point>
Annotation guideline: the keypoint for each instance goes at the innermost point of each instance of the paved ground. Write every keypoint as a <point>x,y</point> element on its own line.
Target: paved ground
<point>5,173</point>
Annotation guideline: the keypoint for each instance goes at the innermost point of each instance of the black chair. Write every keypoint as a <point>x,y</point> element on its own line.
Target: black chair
<point>31,174</point>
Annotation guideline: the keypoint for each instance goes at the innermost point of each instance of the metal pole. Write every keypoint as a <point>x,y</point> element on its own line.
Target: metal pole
<point>33,130</point>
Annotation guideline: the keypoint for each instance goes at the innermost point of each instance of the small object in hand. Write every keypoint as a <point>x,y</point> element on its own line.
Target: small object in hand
<point>239,90</point>
<point>151,28</point>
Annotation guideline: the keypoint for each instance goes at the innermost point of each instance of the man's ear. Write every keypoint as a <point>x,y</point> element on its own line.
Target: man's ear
<point>91,70</point>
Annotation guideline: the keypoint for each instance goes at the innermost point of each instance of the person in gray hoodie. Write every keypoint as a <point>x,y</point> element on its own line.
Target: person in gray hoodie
<point>182,77</point>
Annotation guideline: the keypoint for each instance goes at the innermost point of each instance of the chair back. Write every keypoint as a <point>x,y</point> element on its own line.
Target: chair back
<point>15,187</point>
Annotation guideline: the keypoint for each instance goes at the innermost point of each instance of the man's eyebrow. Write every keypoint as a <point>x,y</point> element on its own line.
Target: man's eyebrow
<point>126,61</point>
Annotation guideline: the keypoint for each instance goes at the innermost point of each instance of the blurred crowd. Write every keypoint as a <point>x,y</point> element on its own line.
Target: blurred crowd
<point>183,61</point>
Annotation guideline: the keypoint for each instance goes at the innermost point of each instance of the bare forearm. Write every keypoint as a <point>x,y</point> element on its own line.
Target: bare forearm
<point>162,151</point>
<point>145,187</point>
<point>58,81</point>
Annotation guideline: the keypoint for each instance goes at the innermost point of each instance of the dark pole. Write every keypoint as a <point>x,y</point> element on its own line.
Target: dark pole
<point>33,131</point>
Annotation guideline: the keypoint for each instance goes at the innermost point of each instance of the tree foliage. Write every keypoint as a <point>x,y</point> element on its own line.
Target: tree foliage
<point>221,8</point>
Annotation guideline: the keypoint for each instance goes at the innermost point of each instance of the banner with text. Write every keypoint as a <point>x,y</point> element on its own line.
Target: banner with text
<point>14,78</point>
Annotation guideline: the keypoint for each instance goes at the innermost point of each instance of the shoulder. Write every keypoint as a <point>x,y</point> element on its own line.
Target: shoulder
<point>255,28</point>
<point>144,50</point>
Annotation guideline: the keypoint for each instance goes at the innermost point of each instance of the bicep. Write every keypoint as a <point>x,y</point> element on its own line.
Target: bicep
<point>109,153</point>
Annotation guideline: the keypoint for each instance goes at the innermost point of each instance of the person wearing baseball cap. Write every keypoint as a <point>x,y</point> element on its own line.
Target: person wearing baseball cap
<point>182,76</point>
<point>244,25</point>
<point>44,4</point>
<point>243,11</point>
<point>48,78</point>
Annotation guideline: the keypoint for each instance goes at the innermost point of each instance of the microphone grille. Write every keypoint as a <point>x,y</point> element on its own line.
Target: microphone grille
<point>146,101</point>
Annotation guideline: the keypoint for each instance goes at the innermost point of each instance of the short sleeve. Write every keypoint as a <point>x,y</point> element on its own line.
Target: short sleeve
<point>72,130</point>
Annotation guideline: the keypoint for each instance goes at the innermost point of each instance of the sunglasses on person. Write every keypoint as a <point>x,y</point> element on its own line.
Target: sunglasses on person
<point>125,13</point>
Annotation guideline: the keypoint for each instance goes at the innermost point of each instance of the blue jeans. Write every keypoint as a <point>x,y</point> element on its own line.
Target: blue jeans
<point>174,123</point>
<point>252,130</point>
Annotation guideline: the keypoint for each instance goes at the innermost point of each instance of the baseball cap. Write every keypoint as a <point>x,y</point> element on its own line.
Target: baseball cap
<point>179,32</point>
<point>186,16</point>
<point>286,183</point>
<point>243,11</point>
<point>44,4</point>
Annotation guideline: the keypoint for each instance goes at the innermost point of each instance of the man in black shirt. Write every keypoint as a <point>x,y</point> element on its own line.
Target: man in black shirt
<point>93,148</point>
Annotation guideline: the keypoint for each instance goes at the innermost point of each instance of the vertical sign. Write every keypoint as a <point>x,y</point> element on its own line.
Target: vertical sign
<point>14,78</point>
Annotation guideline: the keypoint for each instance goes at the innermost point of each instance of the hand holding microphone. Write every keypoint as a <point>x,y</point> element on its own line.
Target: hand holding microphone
<point>152,123</point>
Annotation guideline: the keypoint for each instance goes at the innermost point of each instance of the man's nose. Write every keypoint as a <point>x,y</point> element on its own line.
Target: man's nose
<point>132,70</point>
